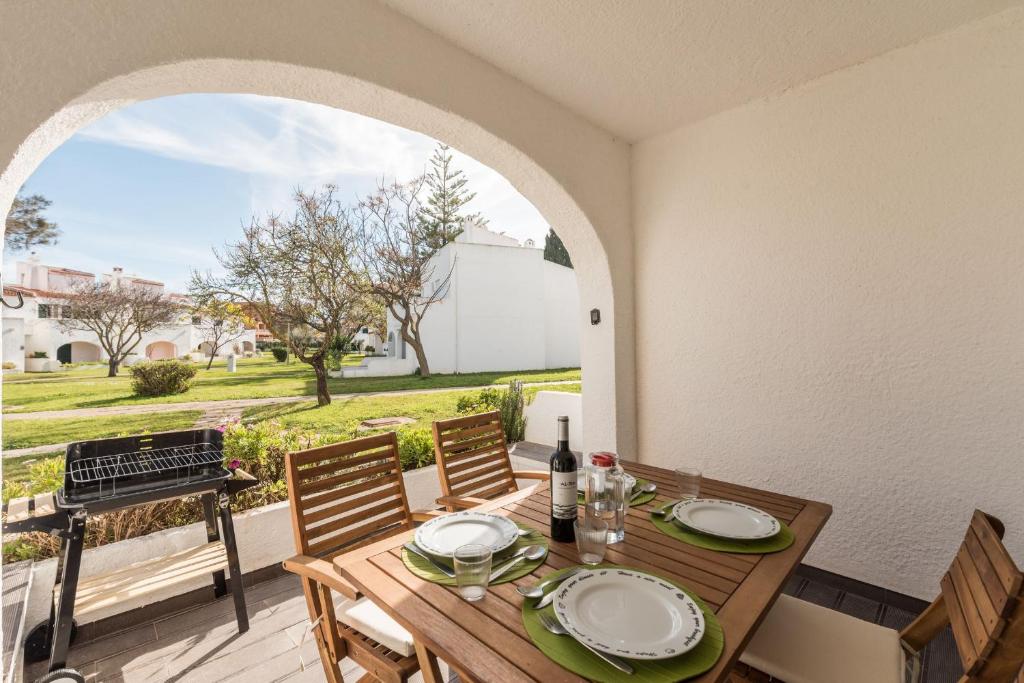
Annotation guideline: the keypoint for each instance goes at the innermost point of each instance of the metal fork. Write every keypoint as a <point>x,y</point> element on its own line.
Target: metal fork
<point>554,626</point>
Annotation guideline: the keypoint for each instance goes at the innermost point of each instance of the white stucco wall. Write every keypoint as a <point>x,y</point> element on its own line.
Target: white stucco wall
<point>542,418</point>
<point>561,331</point>
<point>114,52</point>
<point>835,278</point>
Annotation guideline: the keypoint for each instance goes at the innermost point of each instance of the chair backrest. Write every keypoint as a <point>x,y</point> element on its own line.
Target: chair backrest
<point>982,592</point>
<point>472,458</point>
<point>346,495</point>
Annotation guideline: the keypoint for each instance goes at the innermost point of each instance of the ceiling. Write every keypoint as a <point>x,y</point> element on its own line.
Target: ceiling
<point>642,67</point>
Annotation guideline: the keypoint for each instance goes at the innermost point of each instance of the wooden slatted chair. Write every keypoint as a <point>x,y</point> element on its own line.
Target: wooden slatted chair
<point>981,597</point>
<point>473,462</point>
<point>344,496</point>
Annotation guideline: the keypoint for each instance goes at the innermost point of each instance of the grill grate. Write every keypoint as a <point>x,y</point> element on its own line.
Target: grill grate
<point>109,468</point>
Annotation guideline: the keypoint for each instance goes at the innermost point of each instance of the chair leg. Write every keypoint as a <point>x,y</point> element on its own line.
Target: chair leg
<point>428,664</point>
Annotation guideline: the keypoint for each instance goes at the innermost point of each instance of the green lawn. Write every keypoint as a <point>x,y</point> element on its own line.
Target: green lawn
<point>16,469</point>
<point>88,387</point>
<point>345,415</point>
<point>26,433</point>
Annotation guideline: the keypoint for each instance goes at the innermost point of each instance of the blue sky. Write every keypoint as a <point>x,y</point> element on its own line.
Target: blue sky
<point>152,187</point>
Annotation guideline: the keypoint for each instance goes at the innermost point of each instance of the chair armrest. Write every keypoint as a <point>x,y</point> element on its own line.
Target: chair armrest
<point>426,515</point>
<point>531,474</point>
<point>460,503</point>
<point>323,572</point>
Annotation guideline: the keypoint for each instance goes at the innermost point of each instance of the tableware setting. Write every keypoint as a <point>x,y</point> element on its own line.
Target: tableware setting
<point>516,549</point>
<point>611,623</point>
<point>722,525</point>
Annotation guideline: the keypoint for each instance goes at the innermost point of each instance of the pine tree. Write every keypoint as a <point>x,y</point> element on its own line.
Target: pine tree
<point>26,227</point>
<point>555,251</point>
<point>441,216</point>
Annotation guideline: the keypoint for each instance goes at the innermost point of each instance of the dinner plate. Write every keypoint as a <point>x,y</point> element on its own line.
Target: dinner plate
<point>726,519</point>
<point>629,613</point>
<point>442,535</point>
<point>581,481</point>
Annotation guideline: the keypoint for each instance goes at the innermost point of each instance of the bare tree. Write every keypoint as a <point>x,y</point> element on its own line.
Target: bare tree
<point>119,315</point>
<point>295,276</point>
<point>395,250</point>
<point>220,323</point>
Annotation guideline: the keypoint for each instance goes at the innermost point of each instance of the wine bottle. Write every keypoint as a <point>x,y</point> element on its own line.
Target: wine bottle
<point>563,487</point>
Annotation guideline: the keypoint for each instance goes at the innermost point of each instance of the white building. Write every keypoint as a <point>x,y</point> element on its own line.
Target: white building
<point>505,308</point>
<point>35,329</point>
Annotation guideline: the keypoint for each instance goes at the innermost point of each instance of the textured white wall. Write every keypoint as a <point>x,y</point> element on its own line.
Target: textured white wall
<point>836,279</point>
<point>542,418</point>
<point>358,56</point>
<point>561,330</point>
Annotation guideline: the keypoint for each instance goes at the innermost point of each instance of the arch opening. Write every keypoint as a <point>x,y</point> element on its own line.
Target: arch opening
<point>608,403</point>
<point>161,350</point>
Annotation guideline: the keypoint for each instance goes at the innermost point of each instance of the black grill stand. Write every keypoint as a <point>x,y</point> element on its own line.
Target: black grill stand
<point>53,637</point>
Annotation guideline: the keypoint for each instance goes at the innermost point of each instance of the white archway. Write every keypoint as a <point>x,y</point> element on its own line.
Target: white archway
<point>79,352</point>
<point>576,174</point>
<point>161,350</point>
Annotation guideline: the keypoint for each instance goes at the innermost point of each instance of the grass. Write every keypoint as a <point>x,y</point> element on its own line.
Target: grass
<point>88,387</point>
<point>27,433</point>
<point>343,416</point>
<point>16,469</point>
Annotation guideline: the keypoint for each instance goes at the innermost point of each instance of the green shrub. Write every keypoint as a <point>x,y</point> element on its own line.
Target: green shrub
<point>43,476</point>
<point>280,354</point>
<point>369,350</point>
<point>415,448</point>
<point>9,365</point>
<point>509,402</point>
<point>161,377</point>
<point>40,354</point>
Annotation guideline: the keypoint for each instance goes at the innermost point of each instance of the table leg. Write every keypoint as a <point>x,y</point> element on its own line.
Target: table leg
<point>428,664</point>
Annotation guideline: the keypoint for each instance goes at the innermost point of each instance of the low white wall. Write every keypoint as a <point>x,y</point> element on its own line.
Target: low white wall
<point>264,537</point>
<point>382,366</point>
<point>542,416</point>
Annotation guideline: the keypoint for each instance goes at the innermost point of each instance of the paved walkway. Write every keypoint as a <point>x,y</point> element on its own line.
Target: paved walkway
<point>215,412</point>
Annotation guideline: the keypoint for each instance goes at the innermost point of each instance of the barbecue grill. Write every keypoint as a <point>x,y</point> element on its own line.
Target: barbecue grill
<point>112,474</point>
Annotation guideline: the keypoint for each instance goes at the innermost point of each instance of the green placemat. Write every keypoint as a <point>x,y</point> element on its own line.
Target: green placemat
<point>568,653</point>
<point>779,541</point>
<point>642,499</point>
<point>421,568</point>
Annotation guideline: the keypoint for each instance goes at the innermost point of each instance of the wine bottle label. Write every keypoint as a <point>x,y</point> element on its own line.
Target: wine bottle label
<point>563,495</point>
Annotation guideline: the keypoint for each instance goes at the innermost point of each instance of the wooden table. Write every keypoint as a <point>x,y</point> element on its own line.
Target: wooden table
<point>486,640</point>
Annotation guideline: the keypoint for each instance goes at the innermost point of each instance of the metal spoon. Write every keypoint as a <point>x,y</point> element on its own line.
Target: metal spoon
<point>523,533</point>
<point>530,552</point>
<point>537,590</point>
<point>649,487</point>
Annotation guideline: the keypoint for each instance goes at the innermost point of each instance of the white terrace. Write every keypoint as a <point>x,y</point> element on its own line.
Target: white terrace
<point>800,222</point>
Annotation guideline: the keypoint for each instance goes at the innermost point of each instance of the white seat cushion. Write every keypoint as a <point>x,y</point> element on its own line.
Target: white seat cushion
<point>364,616</point>
<point>800,642</point>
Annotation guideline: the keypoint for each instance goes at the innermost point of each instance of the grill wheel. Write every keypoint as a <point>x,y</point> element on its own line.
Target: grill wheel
<point>62,676</point>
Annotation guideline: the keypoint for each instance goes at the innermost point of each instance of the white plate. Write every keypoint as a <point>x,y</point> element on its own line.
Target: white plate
<point>726,519</point>
<point>581,479</point>
<point>629,613</point>
<point>442,535</point>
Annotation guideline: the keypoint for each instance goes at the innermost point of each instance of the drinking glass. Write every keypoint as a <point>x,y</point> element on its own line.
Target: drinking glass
<point>688,480</point>
<point>591,539</point>
<point>472,570</point>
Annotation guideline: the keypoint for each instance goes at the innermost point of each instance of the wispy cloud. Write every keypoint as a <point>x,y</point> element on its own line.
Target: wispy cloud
<point>283,144</point>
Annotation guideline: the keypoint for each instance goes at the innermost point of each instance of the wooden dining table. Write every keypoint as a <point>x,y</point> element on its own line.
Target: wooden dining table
<point>486,640</point>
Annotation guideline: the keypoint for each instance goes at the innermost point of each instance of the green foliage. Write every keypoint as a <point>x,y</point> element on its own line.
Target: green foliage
<point>441,217</point>
<point>415,448</point>
<point>280,354</point>
<point>9,365</point>
<point>555,251</point>
<point>509,402</point>
<point>40,354</point>
<point>23,548</point>
<point>43,476</point>
<point>369,350</point>
<point>162,377</point>
<point>26,227</point>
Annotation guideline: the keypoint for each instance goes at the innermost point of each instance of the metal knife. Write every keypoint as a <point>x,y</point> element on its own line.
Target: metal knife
<point>549,597</point>
<point>415,550</point>
<point>505,567</point>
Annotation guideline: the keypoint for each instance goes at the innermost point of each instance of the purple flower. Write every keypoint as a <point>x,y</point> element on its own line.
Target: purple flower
<point>234,464</point>
<point>221,428</point>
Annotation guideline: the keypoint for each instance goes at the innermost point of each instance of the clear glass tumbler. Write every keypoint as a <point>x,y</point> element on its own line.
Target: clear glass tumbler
<point>472,570</point>
<point>688,480</point>
<point>591,539</point>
